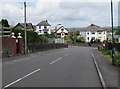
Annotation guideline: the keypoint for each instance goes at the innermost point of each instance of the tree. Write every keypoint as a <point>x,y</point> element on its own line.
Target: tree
<point>118,32</point>
<point>4,23</point>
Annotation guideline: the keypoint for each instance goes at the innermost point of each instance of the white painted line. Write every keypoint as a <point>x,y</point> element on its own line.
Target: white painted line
<point>99,72</point>
<point>13,83</point>
<point>55,60</point>
<point>22,78</point>
<point>67,54</point>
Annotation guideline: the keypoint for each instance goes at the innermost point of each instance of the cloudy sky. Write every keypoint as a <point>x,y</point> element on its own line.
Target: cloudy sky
<point>69,13</point>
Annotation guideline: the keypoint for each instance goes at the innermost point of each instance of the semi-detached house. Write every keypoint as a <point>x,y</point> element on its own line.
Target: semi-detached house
<point>93,32</point>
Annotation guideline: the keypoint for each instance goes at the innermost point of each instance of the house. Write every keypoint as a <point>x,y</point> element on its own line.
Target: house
<point>93,32</point>
<point>29,26</point>
<point>61,32</point>
<point>43,27</point>
<point>116,37</point>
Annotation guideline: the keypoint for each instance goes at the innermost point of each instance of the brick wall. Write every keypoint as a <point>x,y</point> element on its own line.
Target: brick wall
<point>7,47</point>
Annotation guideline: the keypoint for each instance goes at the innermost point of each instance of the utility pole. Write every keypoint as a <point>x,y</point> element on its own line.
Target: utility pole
<point>113,51</point>
<point>25,27</point>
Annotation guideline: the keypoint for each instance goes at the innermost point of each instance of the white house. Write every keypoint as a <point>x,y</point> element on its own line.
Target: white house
<point>93,32</point>
<point>62,32</point>
<point>43,27</point>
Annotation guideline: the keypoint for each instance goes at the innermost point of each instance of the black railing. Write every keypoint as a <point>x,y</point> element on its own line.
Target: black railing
<point>45,47</point>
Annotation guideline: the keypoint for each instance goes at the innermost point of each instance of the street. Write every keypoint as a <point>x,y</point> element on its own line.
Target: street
<point>68,67</point>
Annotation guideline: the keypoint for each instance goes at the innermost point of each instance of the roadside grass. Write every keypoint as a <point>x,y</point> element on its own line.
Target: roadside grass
<point>107,54</point>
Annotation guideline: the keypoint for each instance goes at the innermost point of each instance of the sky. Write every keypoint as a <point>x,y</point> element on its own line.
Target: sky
<point>69,13</point>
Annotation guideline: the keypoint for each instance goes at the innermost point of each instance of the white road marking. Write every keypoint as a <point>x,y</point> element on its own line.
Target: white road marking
<point>67,54</point>
<point>22,78</point>
<point>99,72</point>
<point>55,60</point>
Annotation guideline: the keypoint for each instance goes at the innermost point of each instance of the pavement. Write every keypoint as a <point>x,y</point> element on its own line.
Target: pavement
<point>68,67</point>
<point>110,73</point>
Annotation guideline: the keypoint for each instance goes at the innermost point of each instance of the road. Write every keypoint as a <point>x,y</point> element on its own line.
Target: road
<point>68,67</point>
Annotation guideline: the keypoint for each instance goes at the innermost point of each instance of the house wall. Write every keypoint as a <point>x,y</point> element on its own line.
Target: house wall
<point>42,32</point>
<point>88,34</point>
<point>60,31</point>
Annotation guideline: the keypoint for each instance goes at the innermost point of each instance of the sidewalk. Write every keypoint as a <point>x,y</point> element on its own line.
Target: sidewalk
<point>109,72</point>
<point>17,57</point>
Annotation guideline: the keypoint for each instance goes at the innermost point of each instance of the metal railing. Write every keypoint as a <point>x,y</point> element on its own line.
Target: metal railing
<point>44,47</point>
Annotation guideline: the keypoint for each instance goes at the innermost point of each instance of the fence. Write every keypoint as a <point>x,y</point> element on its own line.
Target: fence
<point>44,47</point>
<point>108,46</point>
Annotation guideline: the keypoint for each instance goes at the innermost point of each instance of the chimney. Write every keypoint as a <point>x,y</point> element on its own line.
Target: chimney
<point>92,25</point>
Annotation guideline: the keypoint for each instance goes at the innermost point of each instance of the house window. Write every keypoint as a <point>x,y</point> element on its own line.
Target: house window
<point>39,27</point>
<point>66,33</point>
<point>45,32</point>
<point>88,33</point>
<point>93,32</point>
<point>88,38</point>
<point>45,26</point>
<point>62,30</point>
<point>99,32</point>
<point>104,32</point>
<point>40,31</point>
<point>93,38</point>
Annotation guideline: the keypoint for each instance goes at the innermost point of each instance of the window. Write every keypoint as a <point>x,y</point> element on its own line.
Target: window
<point>45,26</point>
<point>99,32</point>
<point>93,32</point>
<point>88,38</point>
<point>40,31</point>
<point>39,27</point>
<point>88,33</point>
<point>104,32</point>
<point>45,32</point>
<point>93,38</point>
<point>66,33</point>
<point>62,30</point>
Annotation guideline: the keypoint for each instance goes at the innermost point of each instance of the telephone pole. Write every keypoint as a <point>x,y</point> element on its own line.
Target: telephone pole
<point>113,51</point>
<point>25,27</point>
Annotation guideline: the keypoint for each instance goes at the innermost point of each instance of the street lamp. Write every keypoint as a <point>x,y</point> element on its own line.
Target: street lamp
<point>113,51</point>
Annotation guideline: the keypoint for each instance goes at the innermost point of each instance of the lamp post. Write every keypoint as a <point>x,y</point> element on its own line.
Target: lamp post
<point>113,51</point>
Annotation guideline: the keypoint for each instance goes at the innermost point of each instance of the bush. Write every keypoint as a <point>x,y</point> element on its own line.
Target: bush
<point>80,40</point>
<point>32,36</point>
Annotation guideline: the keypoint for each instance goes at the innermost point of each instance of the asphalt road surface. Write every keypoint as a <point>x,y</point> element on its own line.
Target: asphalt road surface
<point>68,67</point>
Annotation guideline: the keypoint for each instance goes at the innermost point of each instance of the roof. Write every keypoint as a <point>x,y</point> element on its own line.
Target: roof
<point>61,27</point>
<point>93,27</point>
<point>28,25</point>
<point>43,23</point>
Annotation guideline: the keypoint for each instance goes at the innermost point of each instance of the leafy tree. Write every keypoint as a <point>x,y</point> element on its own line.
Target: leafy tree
<point>118,32</point>
<point>4,23</point>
